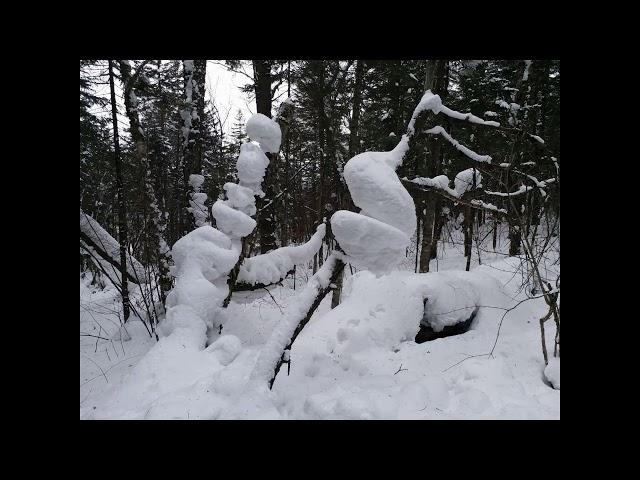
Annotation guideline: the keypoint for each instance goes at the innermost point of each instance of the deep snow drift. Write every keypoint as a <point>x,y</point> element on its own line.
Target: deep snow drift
<point>357,361</point>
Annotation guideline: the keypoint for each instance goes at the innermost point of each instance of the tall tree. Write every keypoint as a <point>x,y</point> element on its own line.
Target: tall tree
<point>436,80</point>
<point>155,244</point>
<point>194,72</point>
<point>264,97</point>
<point>122,208</point>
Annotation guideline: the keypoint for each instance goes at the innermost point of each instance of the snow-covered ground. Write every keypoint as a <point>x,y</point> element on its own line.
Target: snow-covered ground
<point>358,361</point>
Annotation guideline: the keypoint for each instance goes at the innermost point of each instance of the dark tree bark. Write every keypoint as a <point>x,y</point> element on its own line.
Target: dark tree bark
<point>354,149</point>
<point>436,80</point>
<point>122,208</point>
<point>192,150</point>
<point>266,220</point>
<point>354,123</point>
<point>155,242</point>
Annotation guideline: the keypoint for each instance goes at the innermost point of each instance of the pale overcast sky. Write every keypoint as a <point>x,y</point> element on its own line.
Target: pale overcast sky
<point>220,84</point>
<point>224,87</point>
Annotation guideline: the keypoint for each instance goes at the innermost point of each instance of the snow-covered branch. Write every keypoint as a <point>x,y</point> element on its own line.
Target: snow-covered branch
<point>438,130</point>
<point>273,266</point>
<point>108,248</point>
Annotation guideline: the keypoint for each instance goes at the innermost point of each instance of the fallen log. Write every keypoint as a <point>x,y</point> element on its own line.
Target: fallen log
<point>104,245</point>
<point>276,351</point>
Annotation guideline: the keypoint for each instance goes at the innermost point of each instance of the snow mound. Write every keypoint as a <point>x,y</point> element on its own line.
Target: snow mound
<point>265,131</point>
<point>203,257</point>
<point>552,372</point>
<point>369,242</point>
<point>226,348</point>
<point>233,222</point>
<point>452,298</point>
<point>185,322</point>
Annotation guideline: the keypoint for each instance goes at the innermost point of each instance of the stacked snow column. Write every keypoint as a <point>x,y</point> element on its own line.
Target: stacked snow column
<point>204,257</point>
<point>233,215</point>
<point>376,238</point>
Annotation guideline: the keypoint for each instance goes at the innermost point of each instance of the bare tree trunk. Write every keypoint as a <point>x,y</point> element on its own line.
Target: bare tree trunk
<point>354,148</point>
<point>194,73</point>
<point>122,209</point>
<point>155,241</point>
<point>266,219</point>
<point>436,80</point>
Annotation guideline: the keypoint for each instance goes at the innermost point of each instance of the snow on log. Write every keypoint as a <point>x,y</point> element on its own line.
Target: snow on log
<point>469,117</point>
<point>108,248</point>
<point>296,317</point>
<point>273,266</point>
<point>487,206</point>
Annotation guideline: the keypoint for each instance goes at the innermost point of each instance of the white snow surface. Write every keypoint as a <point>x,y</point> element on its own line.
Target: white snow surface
<point>202,260</point>
<point>369,243</point>
<point>251,165</point>
<point>438,130</point>
<point>265,131</point>
<point>240,198</point>
<point>464,181</point>
<point>357,361</point>
<point>552,372</point>
<point>232,222</point>
<point>273,266</point>
<point>377,190</point>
